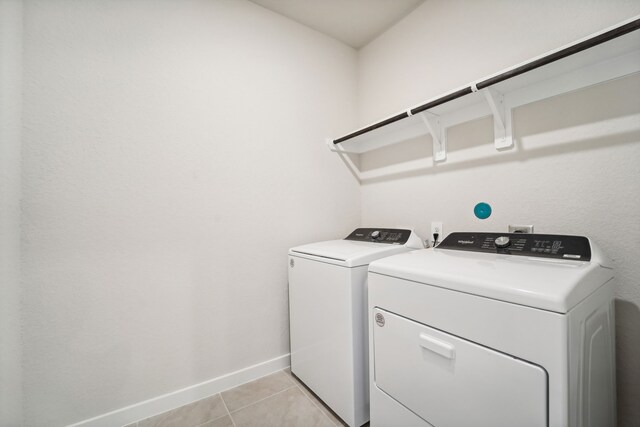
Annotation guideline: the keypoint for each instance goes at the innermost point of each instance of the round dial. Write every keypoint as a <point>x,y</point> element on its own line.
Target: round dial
<point>375,235</point>
<point>502,242</point>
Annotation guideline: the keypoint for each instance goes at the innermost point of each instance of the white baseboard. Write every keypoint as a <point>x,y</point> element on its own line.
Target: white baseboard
<point>160,404</point>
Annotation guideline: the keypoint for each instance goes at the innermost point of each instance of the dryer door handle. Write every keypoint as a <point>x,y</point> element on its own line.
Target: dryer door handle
<point>440,347</point>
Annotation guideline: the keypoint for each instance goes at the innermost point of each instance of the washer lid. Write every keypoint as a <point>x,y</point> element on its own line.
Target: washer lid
<point>347,252</point>
<point>549,284</point>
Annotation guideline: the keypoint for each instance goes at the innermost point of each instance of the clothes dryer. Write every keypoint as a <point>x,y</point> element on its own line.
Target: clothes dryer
<point>495,330</point>
<point>328,320</point>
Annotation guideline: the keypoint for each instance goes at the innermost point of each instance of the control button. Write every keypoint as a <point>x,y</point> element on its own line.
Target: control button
<point>548,251</point>
<point>375,234</point>
<point>502,242</point>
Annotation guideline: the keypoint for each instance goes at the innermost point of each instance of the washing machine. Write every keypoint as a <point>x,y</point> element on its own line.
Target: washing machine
<point>491,329</point>
<point>327,309</point>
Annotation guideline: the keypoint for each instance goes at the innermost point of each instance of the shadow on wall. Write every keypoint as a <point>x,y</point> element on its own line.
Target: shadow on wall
<point>600,116</point>
<point>628,362</point>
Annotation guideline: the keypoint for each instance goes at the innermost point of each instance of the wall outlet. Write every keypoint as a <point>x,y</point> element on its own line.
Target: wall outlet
<point>436,227</point>
<point>520,228</point>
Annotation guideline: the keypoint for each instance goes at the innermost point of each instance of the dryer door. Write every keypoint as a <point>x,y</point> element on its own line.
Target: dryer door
<point>452,382</point>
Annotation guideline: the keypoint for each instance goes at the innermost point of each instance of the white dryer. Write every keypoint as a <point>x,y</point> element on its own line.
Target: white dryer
<point>328,320</point>
<point>496,330</point>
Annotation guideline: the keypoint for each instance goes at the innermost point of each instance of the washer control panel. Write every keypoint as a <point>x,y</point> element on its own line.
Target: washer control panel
<point>393,236</point>
<point>537,245</point>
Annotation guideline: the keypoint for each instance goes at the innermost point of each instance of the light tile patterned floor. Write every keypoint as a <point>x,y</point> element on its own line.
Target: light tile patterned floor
<point>277,400</point>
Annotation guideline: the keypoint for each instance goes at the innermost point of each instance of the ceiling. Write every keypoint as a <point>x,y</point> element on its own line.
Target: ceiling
<point>354,22</point>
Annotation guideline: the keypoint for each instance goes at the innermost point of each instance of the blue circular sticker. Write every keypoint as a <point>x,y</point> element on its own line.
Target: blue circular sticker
<point>482,210</point>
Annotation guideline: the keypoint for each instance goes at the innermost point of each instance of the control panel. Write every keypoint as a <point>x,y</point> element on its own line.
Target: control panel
<point>392,236</point>
<point>537,245</point>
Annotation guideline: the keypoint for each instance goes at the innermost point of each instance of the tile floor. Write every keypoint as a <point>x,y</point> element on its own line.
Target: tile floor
<point>277,400</point>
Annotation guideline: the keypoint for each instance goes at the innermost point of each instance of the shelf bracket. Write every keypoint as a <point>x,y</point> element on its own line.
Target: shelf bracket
<point>502,131</point>
<point>330,145</point>
<point>344,156</point>
<point>432,122</point>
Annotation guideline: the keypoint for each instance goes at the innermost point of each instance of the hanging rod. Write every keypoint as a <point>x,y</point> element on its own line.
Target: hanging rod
<point>562,53</point>
<point>516,71</point>
<point>442,100</point>
<point>374,126</point>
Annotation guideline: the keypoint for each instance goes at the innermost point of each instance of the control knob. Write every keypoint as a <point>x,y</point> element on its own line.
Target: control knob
<point>375,235</point>
<point>502,242</point>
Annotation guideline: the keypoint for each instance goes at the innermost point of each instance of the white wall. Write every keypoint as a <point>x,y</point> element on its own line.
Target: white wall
<point>574,168</point>
<point>171,157</point>
<point>446,44</point>
<point>10,115</point>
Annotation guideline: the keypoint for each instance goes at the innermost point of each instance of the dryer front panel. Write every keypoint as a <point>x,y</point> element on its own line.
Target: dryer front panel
<point>452,382</point>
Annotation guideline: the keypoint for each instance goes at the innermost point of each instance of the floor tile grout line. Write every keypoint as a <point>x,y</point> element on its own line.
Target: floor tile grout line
<point>137,423</point>
<point>264,398</point>
<point>207,422</point>
<point>291,382</point>
<point>227,408</point>
<point>297,384</point>
<point>257,379</point>
<point>316,405</point>
<point>229,413</point>
<point>216,419</point>
<point>289,377</point>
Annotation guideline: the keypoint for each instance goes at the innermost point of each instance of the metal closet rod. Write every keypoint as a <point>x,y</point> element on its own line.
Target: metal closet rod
<point>571,50</point>
<point>372,127</point>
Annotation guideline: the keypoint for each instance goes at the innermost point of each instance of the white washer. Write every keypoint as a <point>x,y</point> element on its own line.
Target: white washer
<point>327,309</point>
<point>493,330</point>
